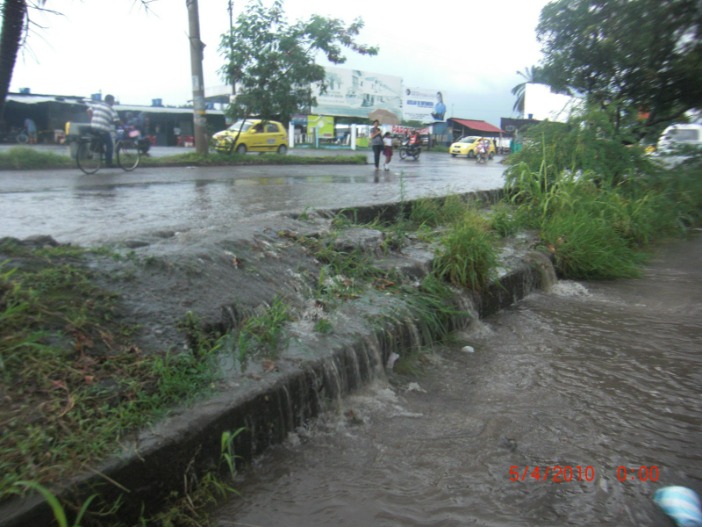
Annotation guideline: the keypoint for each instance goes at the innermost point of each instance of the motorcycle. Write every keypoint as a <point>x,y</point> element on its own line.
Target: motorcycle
<point>481,157</point>
<point>134,133</point>
<point>408,150</point>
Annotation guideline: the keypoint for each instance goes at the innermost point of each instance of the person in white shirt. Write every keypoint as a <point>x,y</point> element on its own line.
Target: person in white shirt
<point>102,120</point>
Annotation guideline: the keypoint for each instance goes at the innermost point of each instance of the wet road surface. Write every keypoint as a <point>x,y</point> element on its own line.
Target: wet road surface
<point>113,205</point>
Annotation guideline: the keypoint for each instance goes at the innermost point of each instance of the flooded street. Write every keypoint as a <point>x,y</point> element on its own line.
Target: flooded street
<point>153,203</point>
<point>598,378</point>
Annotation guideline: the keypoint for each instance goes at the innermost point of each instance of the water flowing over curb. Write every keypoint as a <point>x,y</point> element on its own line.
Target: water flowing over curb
<point>187,445</point>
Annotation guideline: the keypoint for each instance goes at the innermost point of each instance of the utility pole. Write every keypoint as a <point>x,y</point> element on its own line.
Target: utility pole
<point>230,8</point>
<point>196,47</point>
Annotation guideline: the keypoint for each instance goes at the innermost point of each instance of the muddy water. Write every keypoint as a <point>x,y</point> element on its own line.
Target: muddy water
<point>602,376</point>
<point>150,204</point>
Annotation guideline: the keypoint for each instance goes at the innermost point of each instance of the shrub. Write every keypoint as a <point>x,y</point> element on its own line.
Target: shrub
<point>467,256</point>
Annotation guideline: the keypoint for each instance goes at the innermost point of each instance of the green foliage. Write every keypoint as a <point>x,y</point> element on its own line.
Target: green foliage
<point>432,212</point>
<point>56,507</point>
<point>588,147</point>
<point>25,158</point>
<point>77,383</point>
<point>467,256</point>
<point>597,202</point>
<point>504,219</point>
<point>264,333</point>
<point>626,56</point>
<point>272,63</point>
<point>227,450</point>
<point>586,247</point>
<point>323,326</point>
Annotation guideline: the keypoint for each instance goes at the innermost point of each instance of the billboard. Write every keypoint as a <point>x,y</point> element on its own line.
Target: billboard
<point>356,93</point>
<point>423,105</point>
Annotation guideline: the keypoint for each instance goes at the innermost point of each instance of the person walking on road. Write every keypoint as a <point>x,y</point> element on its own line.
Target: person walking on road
<point>387,149</point>
<point>102,120</point>
<point>376,136</point>
<point>30,128</point>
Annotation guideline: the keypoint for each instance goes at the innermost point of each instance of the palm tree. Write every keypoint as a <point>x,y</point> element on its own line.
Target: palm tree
<point>531,74</point>
<point>14,23</point>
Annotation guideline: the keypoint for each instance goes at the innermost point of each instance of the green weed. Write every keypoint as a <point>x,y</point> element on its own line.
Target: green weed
<point>466,255</point>
<point>323,326</point>
<point>587,247</point>
<point>56,508</point>
<point>264,334</point>
<point>434,212</point>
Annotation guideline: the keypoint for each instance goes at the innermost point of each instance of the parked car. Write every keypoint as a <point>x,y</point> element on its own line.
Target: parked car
<point>466,146</point>
<point>252,135</point>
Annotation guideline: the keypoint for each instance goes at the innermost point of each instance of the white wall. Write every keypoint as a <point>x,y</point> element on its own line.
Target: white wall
<point>542,104</point>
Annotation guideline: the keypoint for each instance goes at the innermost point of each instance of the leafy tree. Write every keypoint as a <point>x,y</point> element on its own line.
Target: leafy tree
<point>531,74</point>
<point>272,63</point>
<point>636,59</point>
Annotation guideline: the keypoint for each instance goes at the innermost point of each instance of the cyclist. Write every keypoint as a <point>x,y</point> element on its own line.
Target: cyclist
<point>103,119</point>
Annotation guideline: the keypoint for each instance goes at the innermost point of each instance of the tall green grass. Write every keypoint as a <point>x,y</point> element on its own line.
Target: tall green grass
<point>466,255</point>
<point>598,202</point>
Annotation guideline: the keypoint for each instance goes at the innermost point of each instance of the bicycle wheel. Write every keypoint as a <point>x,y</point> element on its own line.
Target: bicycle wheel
<point>127,155</point>
<point>22,138</point>
<point>89,155</point>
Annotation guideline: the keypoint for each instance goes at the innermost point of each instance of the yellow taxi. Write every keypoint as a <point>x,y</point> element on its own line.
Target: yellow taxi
<point>467,146</point>
<point>252,135</point>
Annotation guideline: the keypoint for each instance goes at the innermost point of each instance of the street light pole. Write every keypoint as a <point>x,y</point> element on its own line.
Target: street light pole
<point>196,47</point>
<point>231,43</point>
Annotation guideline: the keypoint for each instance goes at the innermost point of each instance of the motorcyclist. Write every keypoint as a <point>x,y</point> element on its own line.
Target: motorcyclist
<point>137,122</point>
<point>482,151</point>
<point>414,141</point>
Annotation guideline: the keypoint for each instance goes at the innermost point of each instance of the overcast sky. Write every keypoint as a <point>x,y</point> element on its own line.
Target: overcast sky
<point>470,50</point>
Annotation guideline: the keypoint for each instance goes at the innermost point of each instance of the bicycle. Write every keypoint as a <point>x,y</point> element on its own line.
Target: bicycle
<point>90,154</point>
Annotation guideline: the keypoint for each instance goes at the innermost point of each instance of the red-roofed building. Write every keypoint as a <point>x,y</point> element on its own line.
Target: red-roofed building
<point>462,127</point>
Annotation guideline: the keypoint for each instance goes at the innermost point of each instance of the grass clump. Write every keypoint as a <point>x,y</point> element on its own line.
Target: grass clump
<point>467,256</point>
<point>431,212</point>
<point>263,334</point>
<point>587,247</point>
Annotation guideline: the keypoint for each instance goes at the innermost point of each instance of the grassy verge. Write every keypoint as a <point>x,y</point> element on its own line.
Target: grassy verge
<point>73,382</point>
<point>27,158</point>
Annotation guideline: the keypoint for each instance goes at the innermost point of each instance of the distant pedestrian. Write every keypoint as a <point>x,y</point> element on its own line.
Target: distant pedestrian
<point>376,137</point>
<point>30,128</point>
<point>387,149</point>
<point>102,120</point>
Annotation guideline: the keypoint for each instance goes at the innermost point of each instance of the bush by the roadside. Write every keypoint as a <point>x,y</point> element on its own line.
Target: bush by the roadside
<point>27,158</point>
<point>597,201</point>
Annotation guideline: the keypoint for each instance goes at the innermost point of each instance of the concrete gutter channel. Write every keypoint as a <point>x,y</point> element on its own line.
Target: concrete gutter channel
<point>187,444</point>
